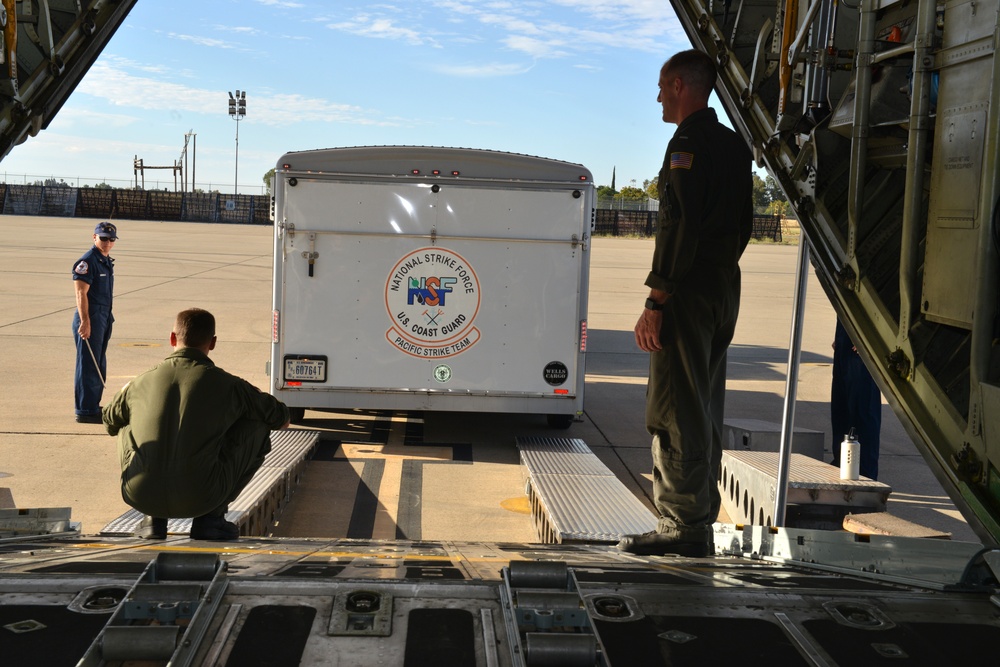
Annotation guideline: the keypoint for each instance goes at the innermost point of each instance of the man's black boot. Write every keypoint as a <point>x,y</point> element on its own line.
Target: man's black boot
<point>152,528</point>
<point>660,544</point>
<point>214,528</point>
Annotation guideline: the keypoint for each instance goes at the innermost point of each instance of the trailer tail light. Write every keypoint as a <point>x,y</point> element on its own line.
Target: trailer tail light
<point>274,326</point>
<point>434,172</point>
<point>583,335</point>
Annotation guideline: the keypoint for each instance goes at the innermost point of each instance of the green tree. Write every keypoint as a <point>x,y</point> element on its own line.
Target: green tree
<point>652,187</point>
<point>630,193</point>
<point>761,196</point>
<point>605,192</point>
<point>268,179</point>
<point>774,192</point>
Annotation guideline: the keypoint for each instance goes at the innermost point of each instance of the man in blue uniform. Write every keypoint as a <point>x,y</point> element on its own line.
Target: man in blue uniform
<point>94,283</point>
<point>703,226</point>
<point>855,403</point>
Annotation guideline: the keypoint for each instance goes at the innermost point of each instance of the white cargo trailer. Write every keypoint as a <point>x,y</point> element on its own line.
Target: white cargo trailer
<point>416,278</point>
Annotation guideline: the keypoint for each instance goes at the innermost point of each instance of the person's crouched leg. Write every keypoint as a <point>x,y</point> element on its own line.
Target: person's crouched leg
<point>215,528</point>
<point>246,445</point>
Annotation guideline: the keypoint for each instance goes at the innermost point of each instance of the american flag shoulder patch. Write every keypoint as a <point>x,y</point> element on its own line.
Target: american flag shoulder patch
<point>681,160</point>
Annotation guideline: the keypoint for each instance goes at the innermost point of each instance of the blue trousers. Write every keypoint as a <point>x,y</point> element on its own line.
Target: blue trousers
<point>855,402</point>
<point>87,386</point>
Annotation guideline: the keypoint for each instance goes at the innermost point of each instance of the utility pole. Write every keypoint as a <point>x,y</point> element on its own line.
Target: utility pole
<point>237,110</point>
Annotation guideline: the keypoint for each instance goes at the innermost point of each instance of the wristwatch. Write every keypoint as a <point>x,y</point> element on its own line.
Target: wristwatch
<point>653,305</point>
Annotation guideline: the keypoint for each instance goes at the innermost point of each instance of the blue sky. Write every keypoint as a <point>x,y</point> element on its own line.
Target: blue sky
<point>573,80</point>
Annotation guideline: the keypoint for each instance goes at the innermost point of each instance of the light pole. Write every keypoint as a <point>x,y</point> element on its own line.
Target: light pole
<point>193,138</point>
<point>237,109</point>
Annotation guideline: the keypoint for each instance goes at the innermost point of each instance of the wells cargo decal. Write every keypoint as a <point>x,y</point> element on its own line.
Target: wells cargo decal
<point>432,298</point>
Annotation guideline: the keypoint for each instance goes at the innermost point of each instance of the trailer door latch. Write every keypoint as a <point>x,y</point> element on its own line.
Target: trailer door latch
<point>311,255</point>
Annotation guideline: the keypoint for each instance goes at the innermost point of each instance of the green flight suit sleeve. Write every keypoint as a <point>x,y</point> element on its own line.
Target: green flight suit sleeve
<point>115,414</point>
<point>260,406</point>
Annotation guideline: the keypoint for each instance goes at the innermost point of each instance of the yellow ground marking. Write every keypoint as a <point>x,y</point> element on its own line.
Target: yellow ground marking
<point>616,379</point>
<point>518,504</point>
<point>262,550</point>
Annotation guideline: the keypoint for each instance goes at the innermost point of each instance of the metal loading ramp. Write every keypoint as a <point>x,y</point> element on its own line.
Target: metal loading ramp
<point>574,497</point>
<point>816,494</point>
<point>257,508</point>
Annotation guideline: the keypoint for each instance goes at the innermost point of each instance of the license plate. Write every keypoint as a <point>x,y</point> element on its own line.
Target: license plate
<point>305,369</point>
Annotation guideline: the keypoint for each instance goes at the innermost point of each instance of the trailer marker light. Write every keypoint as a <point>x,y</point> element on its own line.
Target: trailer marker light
<point>436,172</point>
<point>286,166</point>
<point>454,173</point>
<point>415,172</point>
<point>274,326</point>
<point>583,335</point>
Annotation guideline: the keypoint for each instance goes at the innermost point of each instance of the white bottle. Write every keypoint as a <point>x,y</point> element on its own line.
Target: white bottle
<point>850,457</point>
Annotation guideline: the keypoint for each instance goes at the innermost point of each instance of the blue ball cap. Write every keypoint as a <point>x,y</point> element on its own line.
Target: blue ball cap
<point>106,229</point>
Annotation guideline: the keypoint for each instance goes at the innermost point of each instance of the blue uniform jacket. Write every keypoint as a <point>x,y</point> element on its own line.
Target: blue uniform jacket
<point>99,271</point>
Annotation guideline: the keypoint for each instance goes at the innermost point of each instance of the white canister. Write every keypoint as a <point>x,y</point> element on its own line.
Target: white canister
<point>850,457</point>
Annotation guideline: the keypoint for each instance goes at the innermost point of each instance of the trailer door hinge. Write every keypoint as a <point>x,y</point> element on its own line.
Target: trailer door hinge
<point>287,227</point>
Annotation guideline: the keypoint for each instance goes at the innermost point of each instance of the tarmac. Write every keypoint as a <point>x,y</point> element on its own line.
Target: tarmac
<point>49,460</point>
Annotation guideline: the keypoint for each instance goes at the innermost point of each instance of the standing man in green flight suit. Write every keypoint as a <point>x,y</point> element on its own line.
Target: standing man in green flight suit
<point>703,226</point>
<point>190,435</point>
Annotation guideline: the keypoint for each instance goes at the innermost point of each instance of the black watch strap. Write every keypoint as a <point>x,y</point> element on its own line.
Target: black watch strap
<point>653,305</point>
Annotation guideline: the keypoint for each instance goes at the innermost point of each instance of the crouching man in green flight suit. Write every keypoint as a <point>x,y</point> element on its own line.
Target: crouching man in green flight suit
<point>190,435</point>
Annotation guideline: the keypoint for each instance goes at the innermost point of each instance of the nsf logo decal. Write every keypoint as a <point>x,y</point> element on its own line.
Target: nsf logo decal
<point>432,299</point>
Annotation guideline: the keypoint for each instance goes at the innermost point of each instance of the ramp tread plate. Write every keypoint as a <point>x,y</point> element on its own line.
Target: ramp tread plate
<point>584,507</point>
<point>288,448</point>
<point>805,472</point>
<point>575,497</point>
<point>560,455</point>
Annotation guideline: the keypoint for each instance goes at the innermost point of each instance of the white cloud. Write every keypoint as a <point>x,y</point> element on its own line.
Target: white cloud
<point>203,41</point>
<point>483,70</point>
<point>285,4</point>
<point>584,27</point>
<point>537,48</point>
<point>239,29</point>
<point>365,25</point>
<point>120,88</point>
